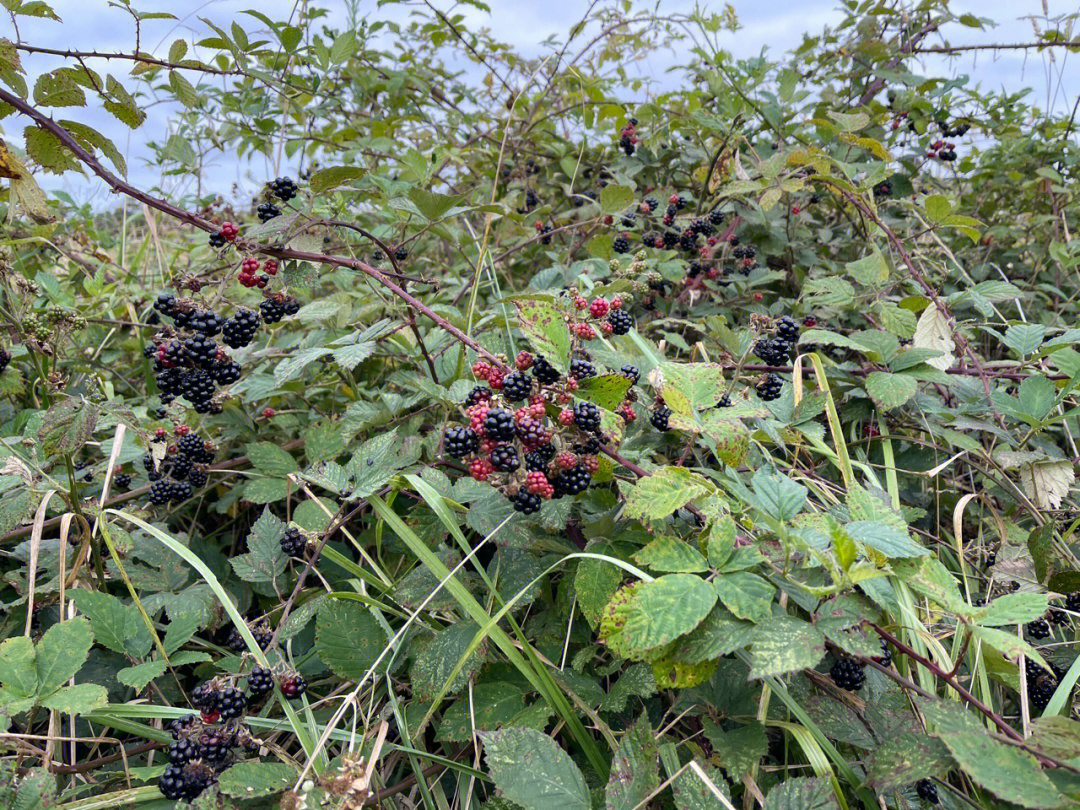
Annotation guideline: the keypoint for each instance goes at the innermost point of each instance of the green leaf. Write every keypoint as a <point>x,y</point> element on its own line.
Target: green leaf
<point>116,625</point>
<point>932,579</point>
<point>374,463</point>
<point>78,699</point>
<point>777,495</point>
<point>249,780</point>
<point>720,634</point>
<point>348,638</point>
<point>1037,396</point>
<point>937,208</point>
<point>61,653</point>
<point>67,426</point>
<point>270,459</point>
<point>690,387</point>
<point>614,199</point>
<point>648,615</point>
<point>17,671</point>
<point>905,758</point>
<point>544,325</point>
<point>532,771</point>
<point>138,677</point>
<point>264,560</point>
<point>266,490</point>
<point>489,706</point>
<point>635,681</point>
<point>1013,608</point>
<point>334,176</point>
<point>739,749</point>
<point>669,554</point>
<point>1008,644</point>
<point>870,271</point>
<point>433,667</point>
<point>802,793</point>
<point>595,582</point>
<point>890,390</point>
<point>891,541</point>
<point>730,437</point>
<point>292,366</point>
<point>666,490</point>
<point>432,205</point>
<point>606,390</point>
<point>183,89</point>
<point>1025,338</point>
<point>746,595</point>
<point>691,793</point>
<point>785,644</point>
<point>635,773</point>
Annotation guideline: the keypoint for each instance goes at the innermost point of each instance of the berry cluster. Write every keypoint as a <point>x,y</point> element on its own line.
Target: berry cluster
<point>1041,684</point>
<point>5,358</point>
<point>284,188</point>
<point>628,137</point>
<point>882,190</point>
<point>525,432</point>
<point>267,211</point>
<point>544,232</point>
<point>942,150</point>
<point>275,307</point>
<point>293,542</point>
<point>180,470</point>
<point>226,233</point>
<point>847,673</point>
<point>250,266</point>
<point>779,349</point>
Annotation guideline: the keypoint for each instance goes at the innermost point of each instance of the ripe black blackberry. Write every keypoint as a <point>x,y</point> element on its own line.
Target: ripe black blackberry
<point>179,466</point>
<point>284,188</point>
<point>1041,688</point>
<point>991,558</point>
<point>182,751</point>
<point>621,321</point>
<point>572,481</point>
<point>293,686</point>
<point>239,330</point>
<point>479,394</point>
<point>882,190</point>
<point>217,239</point>
<point>927,791</point>
<point>671,239</point>
<point>5,358</point>
<point>189,445</point>
<point>526,502</point>
<point>198,386</point>
<point>621,244</point>
<point>122,480</point>
<point>544,372</point>
<point>716,217</point>
<point>204,697</point>
<point>271,310</point>
<point>293,542</point>
<point>632,373</point>
<point>1038,629</point>
<point>214,745</point>
<point>847,673</point>
<point>538,459</point>
<point>651,203</point>
<point>161,413</point>
<point>165,304</point>
<point>1072,602</point>
<point>504,458</point>
<point>516,386</point>
<point>226,373</point>
<point>267,211</point>
<point>591,446</point>
<point>231,703</point>
<point>262,633</point>
<point>545,234</point>
<point>149,351</point>
<point>180,490</point>
<point>769,388</point>
<point>260,682</point>
<point>670,213</point>
<point>885,659</point>
<point>787,329</point>
<point>581,369</point>
<point>688,242</point>
<point>725,401</point>
<point>587,417</point>
<point>197,478</point>
<point>499,425</point>
<point>160,492</point>
<point>172,784</point>
<point>626,143</point>
<point>774,351</point>
<point>180,725</point>
<point>207,322</point>
<point>660,417</point>
<point>628,220</point>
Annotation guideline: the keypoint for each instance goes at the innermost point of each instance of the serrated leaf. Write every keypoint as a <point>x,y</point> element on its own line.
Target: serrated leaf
<point>870,271</point>
<point>890,390</point>
<point>116,625</point>
<point>1024,338</point>
<point>1008,644</point>
<point>532,771</point>
<point>373,464</point>
<point>487,707</point>
<point>785,644</point>
<point>891,541</point>
<point>720,634</point>
<point>544,325</point>
<point>937,208</point>
<point>249,780</point>
<point>61,653</point>
<point>137,677</point>
<point>291,367</point>
<point>802,793</point>
<point>830,291</point>
<point>739,749</point>
<point>666,490</point>
<point>434,665</point>
<point>1014,608</point>
<point>777,495</point>
<point>905,758</point>
<point>670,554</point>
<point>334,176</point>
<point>932,332</point>
<point>17,672</point>
<point>635,773</point>
<point>264,560</point>
<point>348,639</point>
<point>648,615</point>
<point>349,357</point>
<point>1036,397</point>
<point>746,595</point>
<point>636,680</point>
<point>614,199</point>
<point>605,390</point>
<point>78,699</point>
<point>1047,483</point>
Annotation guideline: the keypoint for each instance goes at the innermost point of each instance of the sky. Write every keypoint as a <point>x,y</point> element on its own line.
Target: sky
<point>775,25</point>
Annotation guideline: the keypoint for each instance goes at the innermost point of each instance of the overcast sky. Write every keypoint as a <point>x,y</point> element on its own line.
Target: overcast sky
<point>775,25</point>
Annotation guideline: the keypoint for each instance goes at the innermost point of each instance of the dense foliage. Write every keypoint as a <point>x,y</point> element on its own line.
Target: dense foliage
<point>536,436</point>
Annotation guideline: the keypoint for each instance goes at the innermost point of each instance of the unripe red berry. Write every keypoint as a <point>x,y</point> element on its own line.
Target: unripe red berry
<point>480,469</point>
<point>250,265</point>
<point>481,370</point>
<point>268,413</point>
<point>182,430</point>
<point>566,417</point>
<point>523,361</point>
<point>809,321</point>
<point>580,302</point>
<point>608,219</point>
<point>159,433</point>
<point>270,266</point>
<point>757,296</point>
<point>598,308</point>
<point>674,198</point>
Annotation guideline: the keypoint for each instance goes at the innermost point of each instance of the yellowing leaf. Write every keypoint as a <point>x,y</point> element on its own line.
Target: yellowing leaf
<point>1047,483</point>
<point>933,332</point>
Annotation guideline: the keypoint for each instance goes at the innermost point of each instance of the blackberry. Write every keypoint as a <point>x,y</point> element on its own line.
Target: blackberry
<point>180,490</point>
<point>927,791</point>
<point>231,703</point>
<point>1038,629</point>
<point>290,306</point>
<point>769,388</point>
<point>160,491</point>
<point>271,310</point>
<point>516,386</point>
<point>294,686</point>
<point>479,394</point>
<point>161,413</point>
<point>621,321</point>
<point>671,211</point>
<point>204,697</point>
<point>652,203</point>
<point>885,659</point>
<point>590,447</point>
<point>180,725</point>
<point>671,239</point>
<point>179,467</point>
<point>787,329</point>
<point>460,441</point>
<point>198,386</point>
<point>226,373</point>
<point>537,460</point>
<point>582,369</point>
<point>165,303</point>
<point>213,745</point>
<point>626,143</point>
<point>526,502</point>
<point>628,220</point>
<point>504,458</point>
<point>632,373</point>
<point>267,211</point>
<point>848,674</point>
<point>283,188</point>
<point>545,234</point>
<point>544,372</point>
<point>217,240</point>
<point>260,682</point>
<point>572,481</point>
<point>181,751</point>
<point>991,558</point>
<point>262,634</point>
<point>587,417</point>
<point>170,381</point>
<point>499,425</point>
<point>1072,601</point>
<point>774,351</point>
<point>172,784</point>
<point>882,190</point>
<point>716,217</point>
<point>206,322</point>
<point>660,417</point>
<point>122,480</point>
<point>197,478</point>
<point>148,351</point>
<point>239,330</point>
<point>189,445</point>
<point>1040,689</point>
<point>531,432</point>
<point>621,244</point>
<point>293,543</point>
<point>401,253</point>
<point>725,401</point>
